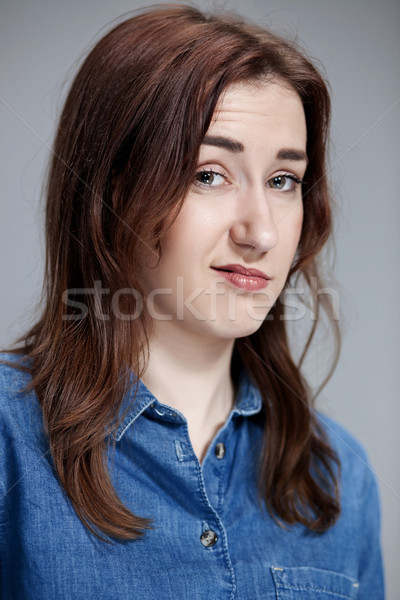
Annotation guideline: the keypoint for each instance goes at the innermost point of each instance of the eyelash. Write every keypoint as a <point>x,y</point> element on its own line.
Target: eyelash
<point>207,172</point>
<point>290,176</point>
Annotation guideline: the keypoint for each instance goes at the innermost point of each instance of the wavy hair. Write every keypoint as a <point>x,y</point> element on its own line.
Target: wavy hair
<point>124,159</point>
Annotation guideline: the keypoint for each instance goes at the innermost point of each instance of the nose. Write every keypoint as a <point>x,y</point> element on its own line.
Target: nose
<point>254,226</point>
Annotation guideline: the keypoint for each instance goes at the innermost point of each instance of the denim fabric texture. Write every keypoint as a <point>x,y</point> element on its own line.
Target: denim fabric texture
<point>211,538</point>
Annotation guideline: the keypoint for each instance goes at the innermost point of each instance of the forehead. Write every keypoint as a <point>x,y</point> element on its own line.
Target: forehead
<point>252,109</point>
<point>260,98</point>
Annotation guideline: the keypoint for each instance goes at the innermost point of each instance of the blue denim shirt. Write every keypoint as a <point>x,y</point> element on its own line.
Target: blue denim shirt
<point>211,539</point>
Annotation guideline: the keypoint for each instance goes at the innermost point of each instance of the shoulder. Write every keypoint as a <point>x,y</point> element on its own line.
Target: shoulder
<point>15,379</point>
<point>341,440</point>
<point>346,446</point>
<point>23,442</point>
<point>19,407</point>
<point>357,476</point>
<point>13,372</point>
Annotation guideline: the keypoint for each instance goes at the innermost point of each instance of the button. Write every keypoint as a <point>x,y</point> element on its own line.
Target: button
<point>208,538</point>
<point>220,450</point>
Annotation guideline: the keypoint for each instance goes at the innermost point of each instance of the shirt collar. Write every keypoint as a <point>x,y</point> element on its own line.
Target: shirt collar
<point>139,399</point>
<point>248,398</point>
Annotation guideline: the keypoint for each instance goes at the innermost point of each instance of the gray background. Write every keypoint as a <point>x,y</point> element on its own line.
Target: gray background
<point>357,41</point>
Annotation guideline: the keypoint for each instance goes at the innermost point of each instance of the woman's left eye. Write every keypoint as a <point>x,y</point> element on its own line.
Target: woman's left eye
<point>284,183</point>
<point>209,179</point>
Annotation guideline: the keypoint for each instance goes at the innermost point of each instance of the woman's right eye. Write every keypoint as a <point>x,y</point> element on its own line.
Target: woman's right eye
<point>209,178</point>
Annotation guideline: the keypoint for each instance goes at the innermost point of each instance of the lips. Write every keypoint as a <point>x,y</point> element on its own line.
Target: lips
<point>241,277</point>
<point>242,271</point>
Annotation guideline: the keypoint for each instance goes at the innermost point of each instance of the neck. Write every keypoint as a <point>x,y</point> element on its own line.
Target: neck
<point>192,375</point>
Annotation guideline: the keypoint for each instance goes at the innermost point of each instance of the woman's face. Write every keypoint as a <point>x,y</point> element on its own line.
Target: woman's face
<point>226,257</point>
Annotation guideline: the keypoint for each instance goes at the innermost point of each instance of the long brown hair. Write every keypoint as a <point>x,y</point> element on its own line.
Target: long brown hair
<point>124,158</point>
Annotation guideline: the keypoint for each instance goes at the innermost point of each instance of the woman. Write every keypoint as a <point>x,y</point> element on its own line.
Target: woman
<point>159,439</point>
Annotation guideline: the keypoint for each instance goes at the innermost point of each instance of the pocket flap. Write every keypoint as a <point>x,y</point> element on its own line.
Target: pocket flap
<point>313,583</point>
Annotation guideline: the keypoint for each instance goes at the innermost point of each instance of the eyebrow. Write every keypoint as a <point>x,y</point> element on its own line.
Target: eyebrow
<point>234,146</point>
<point>223,142</point>
<point>290,154</point>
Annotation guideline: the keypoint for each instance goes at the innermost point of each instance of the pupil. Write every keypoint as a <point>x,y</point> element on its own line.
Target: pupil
<point>207,177</point>
<point>279,182</point>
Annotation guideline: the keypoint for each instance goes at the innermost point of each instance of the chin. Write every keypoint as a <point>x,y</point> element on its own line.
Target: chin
<point>234,329</point>
<point>244,320</point>
<point>246,330</point>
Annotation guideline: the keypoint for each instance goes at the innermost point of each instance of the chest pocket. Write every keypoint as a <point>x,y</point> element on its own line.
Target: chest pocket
<point>307,583</point>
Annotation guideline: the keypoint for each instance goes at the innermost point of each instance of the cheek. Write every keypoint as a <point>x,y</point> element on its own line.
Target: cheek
<point>290,234</point>
<point>194,233</point>
<point>177,237</point>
